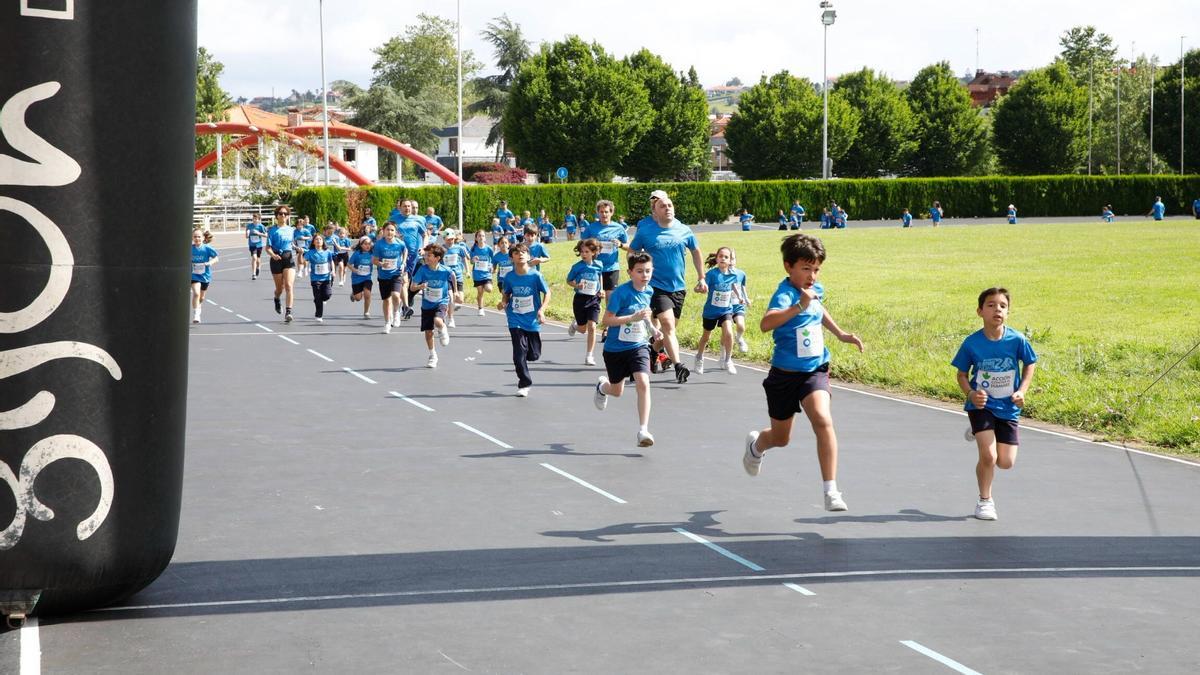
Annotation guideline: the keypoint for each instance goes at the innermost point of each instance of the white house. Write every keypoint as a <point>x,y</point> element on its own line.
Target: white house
<point>475,147</point>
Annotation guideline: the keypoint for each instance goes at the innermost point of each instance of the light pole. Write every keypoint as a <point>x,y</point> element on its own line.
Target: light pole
<point>827,18</point>
<point>1181,37</point>
<point>459,155</point>
<point>324,88</point>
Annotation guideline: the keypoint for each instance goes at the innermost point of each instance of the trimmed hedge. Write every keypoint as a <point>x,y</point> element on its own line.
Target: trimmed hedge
<point>863,199</point>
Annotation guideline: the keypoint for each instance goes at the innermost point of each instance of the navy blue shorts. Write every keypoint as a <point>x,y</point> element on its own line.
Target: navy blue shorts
<point>622,365</point>
<point>985,420</point>
<point>587,308</point>
<point>356,288</point>
<point>427,316</point>
<point>786,389</point>
<point>710,324</point>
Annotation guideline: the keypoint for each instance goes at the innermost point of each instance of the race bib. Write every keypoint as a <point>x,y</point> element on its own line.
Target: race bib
<point>321,269</point>
<point>254,239</point>
<point>608,246</point>
<point>362,270</point>
<point>722,298</point>
<point>199,268</point>
<point>997,384</point>
<point>434,294</point>
<point>388,264</point>
<point>522,305</point>
<point>810,341</point>
<point>451,259</point>
<point>588,286</point>
<point>504,270</point>
<point>633,332</point>
<point>483,263</point>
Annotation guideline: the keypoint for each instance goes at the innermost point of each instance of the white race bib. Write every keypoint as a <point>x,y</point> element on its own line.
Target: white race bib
<point>451,259</point>
<point>199,268</point>
<point>388,264</point>
<point>588,286</point>
<point>997,384</point>
<point>504,270</point>
<point>321,269</point>
<point>362,270</point>
<point>254,239</point>
<point>633,332</point>
<point>608,246</point>
<point>722,298</point>
<point>810,341</point>
<point>522,305</point>
<point>434,294</point>
<point>483,263</point>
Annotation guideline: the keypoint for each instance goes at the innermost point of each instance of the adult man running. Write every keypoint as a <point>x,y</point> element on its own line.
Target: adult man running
<point>411,228</point>
<point>665,239</point>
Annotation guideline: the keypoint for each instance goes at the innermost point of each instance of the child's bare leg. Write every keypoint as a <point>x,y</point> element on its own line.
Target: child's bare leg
<point>1006,455</point>
<point>591,336</point>
<point>775,436</point>
<point>985,469</point>
<point>702,344</point>
<point>816,406</point>
<point>727,339</point>
<point>641,381</point>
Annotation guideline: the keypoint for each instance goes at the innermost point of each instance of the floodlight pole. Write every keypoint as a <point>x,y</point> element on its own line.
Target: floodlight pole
<point>459,154</point>
<point>324,88</point>
<point>827,18</point>
<point>1181,37</point>
<point>1152,64</point>
<point>1091,77</point>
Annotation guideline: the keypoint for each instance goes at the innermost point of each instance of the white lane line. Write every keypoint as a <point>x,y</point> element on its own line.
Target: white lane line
<point>284,337</point>
<point>584,483</point>
<point>320,355</point>
<point>31,648</point>
<point>209,301</point>
<point>477,432</point>
<point>725,552</point>
<point>799,589</point>
<point>1005,571</point>
<point>226,309</point>
<point>243,318</point>
<point>264,328</point>
<point>420,405</point>
<point>944,660</point>
<point>360,376</point>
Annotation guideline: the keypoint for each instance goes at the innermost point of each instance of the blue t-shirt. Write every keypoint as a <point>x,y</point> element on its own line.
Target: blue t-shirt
<point>281,238</point>
<point>201,270</point>
<point>1107,215</point>
<point>526,291</point>
<point>503,263</point>
<point>412,232</point>
<point>666,247</point>
<point>546,228</point>
<point>906,219</point>
<point>438,291</point>
<point>258,234</point>
<point>739,307</point>
<point>784,220</point>
<point>504,215</point>
<point>433,223</point>
<point>799,343</point>
<point>304,237</point>
<point>588,276</point>
<point>369,220</point>
<point>1196,207</point>
<point>1012,215</point>
<point>538,250</point>
<point>1159,210</point>
<point>389,257</point>
<point>456,259</point>
<point>995,366</point>
<point>746,219</point>
<point>722,296</point>
<point>840,218</point>
<point>361,264</point>
<point>935,213</point>
<point>481,263</point>
<point>322,264</point>
<point>570,222</point>
<point>798,211</point>
<point>611,237</point>
<point>623,301</point>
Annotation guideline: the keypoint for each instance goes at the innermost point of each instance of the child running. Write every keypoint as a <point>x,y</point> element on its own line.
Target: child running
<point>584,277</point>
<point>741,300</point>
<point>281,247</point>
<point>746,219</point>
<point>571,223</point>
<point>995,390</point>
<point>203,258</point>
<point>627,350</point>
<point>304,235</point>
<point>537,250</point>
<point>481,269</point>
<point>388,256</point>
<point>799,376</point>
<point>502,261</point>
<point>341,254</point>
<point>256,234</point>
<point>526,293</point>
<point>456,260</point>
<point>722,282</point>
<point>435,282</point>
<point>321,259</point>
<point>361,264</point>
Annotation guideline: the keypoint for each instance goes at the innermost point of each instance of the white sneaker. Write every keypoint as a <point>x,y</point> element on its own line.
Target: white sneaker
<point>644,439</point>
<point>985,509</point>
<point>589,360</point>
<point>729,367</point>
<point>320,320</point>
<point>366,315</point>
<point>523,392</point>
<point>444,337</point>
<point>572,329</point>
<point>742,346</point>
<point>699,365</point>
<point>342,282</point>
<point>751,462</point>
<point>969,435</point>
<point>834,502</point>
<point>481,312</point>
<point>195,318</point>
<point>432,362</point>
<point>600,399</point>
<point>387,327</point>
<point>452,324</point>
<point>396,318</point>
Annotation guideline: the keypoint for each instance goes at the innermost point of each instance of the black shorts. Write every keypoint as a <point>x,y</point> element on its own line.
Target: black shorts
<point>662,301</point>
<point>203,284</point>
<point>610,279</point>
<point>427,316</point>
<point>622,365</point>
<point>481,282</point>
<point>786,389</point>
<point>256,251</point>
<point>341,258</point>
<point>355,289</point>
<point>285,262</point>
<point>710,324</point>
<point>985,420</point>
<point>587,308</point>
<point>388,286</point>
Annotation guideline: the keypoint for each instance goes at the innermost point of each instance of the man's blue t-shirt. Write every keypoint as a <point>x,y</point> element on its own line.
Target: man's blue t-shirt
<point>526,292</point>
<point>799,343</point>
<point>481,263</point>
<point>504,215</point>
<point>623,301</point>
<point>995,366</point>
<point>746,219</point>
<point>201,270</point>
<point>322,264</point>
<point>389,255</point>
<point>433,222</point>
<point>437,292</point>
<point>412,231</point>
<point>1159,210</point>
<point>360,267</point>
<point>281,238</point>
<point>588,276</point>
<point>611,237</point>
<point>722,296</point>
<point>666,246</point>
<point>257,234</point>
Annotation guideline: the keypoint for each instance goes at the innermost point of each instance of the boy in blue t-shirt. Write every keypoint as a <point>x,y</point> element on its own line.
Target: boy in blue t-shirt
<point>203,257</point>
<point>905,218</point>
<point>797,214</point>
<point>936,213</point>
<point>1158,209</point>
<point>584,276</point>
<point>537,250</point>
<point>435,282</point>
<point>526,294</point>
<point>501,261</point>
<point>746,219</point>
<point>799,376</point>
<point>988,376</point>
<point>627,350</point>
<point>456,260</point>
<point>546,229</point>
<point>570,224</point>
<point>256,240</point>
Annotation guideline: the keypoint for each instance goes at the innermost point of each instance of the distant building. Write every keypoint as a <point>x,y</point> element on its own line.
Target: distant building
<point>717,146</point>
<point>985,88</point>
<point>308,169</point>
<point>475,147</point>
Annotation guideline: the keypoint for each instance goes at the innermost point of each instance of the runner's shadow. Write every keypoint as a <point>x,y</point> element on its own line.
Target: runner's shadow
<point>901,516</point>
<point>556,449</point>
<point>702,523</point>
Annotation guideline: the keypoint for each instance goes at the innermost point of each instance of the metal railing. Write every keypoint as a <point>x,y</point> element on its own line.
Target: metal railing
<point>228,217</point>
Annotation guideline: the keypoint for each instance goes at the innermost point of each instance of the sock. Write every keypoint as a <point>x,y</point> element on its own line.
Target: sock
<point>830,486</point>
<point>644,428</point>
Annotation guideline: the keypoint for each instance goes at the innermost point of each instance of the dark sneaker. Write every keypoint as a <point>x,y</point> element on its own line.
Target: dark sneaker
<point>681,373</point>
<point>278,306</point>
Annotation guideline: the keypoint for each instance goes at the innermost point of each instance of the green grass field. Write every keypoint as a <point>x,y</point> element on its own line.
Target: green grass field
<point>1108,308</point>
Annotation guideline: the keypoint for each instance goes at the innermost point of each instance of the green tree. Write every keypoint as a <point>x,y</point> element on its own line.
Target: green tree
<point>573,105</point>
<point>1166,114</point>
<point>212,101</point>
<point>423,61</point>
<point>952,138</point>
<point>511,50</point>
<point>386,111</point>
<point>885,139</point>
<point>676,144</point>
<point>777,130</point>
<point>1087,51</point>
<point>1133,82</point>
<point>1040,126</point>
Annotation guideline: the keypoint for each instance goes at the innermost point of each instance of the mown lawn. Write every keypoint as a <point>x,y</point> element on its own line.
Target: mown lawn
<point>1108,307</point>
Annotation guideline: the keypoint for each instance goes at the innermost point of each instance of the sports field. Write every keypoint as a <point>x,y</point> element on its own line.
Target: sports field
<point>1108,307</point>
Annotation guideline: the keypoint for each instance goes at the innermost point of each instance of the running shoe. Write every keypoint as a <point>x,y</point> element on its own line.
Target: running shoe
<point>681,373</point>
<point>523,392</point>
<point>729,367</point>
<point>366,315</point>
<point>342,282</point>
<point>572,329</point>
<point>985,509</point>
<point>452,324</point>
<point>408,313</point>
<point>834,502</point>
<point>320,320</point>
<point>387,327</point>
<point>644,439</point>
<point>600,399</point>
<point>480,311</point>
<point>278,305</point>
<point>699,366</point>
<point>743,347</point>
<point>750,461</point>
<point>287,318</point>
<point>432,362</point>
<point>589,360</point>
<point>445,336</point>
<point>195,318</point>
<point>396,319</point>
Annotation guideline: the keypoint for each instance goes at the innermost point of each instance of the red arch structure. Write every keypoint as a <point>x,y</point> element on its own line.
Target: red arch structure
<point>295,135</point>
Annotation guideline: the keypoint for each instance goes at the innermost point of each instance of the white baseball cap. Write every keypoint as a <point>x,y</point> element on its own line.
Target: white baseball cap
<point>659,194</point>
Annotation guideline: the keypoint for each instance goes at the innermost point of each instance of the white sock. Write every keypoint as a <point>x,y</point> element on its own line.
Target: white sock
<point>644,429</point>
<point>830,486</point>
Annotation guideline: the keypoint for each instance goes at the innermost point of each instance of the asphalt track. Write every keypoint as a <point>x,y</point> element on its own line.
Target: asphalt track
<point>348,510</point>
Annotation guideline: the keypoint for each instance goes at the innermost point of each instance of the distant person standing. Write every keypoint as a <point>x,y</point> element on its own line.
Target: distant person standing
<point>1196,208</point>
<point>1158,210</point>
<point>368,223</point>
<point>936,213</point>
<point>797,214</point>
<point>1012,215</point>
<point>1107,213</point>
<point>905,218</point>
<point>746,219</point>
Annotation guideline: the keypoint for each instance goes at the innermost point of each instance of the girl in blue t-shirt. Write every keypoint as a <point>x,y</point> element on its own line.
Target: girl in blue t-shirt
<point>481,269</point>
<point>584,276</point>
<point>502,261</point>
<point>723,295</point>
<point>1012,215</point>
<point>361,267</point>
<point>321,276</point>
<point>936,213</point>
<point>203,257</point>
<point>570,224</point>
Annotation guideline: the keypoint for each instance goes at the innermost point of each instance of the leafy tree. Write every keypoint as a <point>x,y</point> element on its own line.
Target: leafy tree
<point>951,137</point>
<point>1134,82</point>
<point>1088,51</point>
<point>693,80</point>
<point>1040,126</point>
<point>1166,114</point>
<point>386,111</point>
<point>511,50</point>
<point>573,105</point>
<point>345,88</point>
<point>885,135</point>
<point>676,143</point>
<point>777,130</point>
<point>734,82</point>
<point>422,59</point>
<point>211,100</point>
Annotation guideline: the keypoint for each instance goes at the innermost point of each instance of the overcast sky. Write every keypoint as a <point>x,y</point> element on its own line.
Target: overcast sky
<point>275,43</point>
